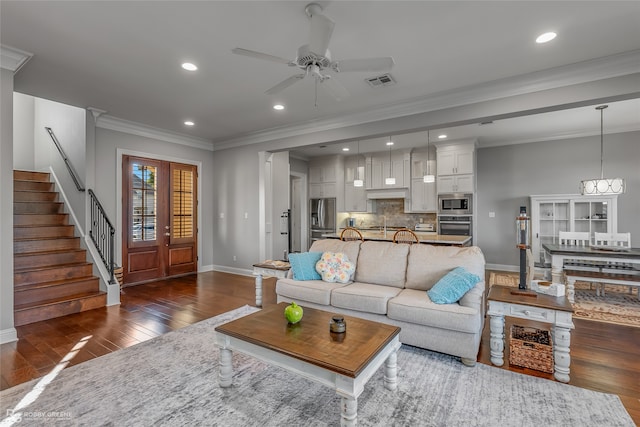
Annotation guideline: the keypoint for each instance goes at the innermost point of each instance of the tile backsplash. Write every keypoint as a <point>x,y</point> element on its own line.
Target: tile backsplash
<point>393,211</point>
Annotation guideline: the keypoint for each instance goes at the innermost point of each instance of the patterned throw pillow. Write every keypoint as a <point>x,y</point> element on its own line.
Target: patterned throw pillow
<point>335,267</point>
<point>452,286</point>
<point>303,265</point>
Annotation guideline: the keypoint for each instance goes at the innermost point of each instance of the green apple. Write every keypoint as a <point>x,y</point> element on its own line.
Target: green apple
<point>293,313</point>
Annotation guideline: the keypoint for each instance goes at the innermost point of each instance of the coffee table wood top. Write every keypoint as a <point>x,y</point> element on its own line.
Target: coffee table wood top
<point>310,339</point>
<point>503,294</point>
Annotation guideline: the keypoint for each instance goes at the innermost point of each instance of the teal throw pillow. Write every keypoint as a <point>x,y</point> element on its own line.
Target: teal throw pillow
<point>452,286</point>
<point>304,265</point>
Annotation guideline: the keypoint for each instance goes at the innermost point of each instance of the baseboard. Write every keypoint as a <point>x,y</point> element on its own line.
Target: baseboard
<point>205,268</point>
<point>233,270</point>
<point>501,267</point>
<point>8,335</point>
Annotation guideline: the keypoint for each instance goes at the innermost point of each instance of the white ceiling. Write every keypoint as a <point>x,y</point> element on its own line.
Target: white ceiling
<point>124,57</point>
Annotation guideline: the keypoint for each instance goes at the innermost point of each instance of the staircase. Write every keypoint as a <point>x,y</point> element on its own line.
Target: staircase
<point>51,275</point>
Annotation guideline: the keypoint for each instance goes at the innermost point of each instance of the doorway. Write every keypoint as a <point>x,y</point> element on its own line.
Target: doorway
<point>159,207</point>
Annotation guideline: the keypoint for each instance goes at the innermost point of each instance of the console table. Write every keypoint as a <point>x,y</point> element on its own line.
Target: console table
<point>556,311</point>
<point>278,269</point>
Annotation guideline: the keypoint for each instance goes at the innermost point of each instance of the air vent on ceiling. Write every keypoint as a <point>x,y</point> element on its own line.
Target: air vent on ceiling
<point>383,80</point>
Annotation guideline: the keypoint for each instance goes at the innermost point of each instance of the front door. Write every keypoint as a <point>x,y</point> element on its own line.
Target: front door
<point>159,219</point>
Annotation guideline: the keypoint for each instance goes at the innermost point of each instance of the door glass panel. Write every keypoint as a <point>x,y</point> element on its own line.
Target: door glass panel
<point>143,202</point>
<point>182,197</point>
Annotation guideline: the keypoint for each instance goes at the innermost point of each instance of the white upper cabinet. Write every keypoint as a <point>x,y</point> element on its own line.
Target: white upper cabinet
<point>455,163</point>
<point>378,168</point>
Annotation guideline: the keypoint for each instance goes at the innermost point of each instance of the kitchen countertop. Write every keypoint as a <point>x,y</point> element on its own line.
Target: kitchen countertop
<point>431,238</point>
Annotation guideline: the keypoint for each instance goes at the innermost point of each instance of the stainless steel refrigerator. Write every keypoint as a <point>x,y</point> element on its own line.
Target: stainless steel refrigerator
<point>323,218</point>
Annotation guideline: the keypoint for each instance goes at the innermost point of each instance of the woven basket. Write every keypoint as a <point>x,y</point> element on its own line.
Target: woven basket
<point>531,348</point>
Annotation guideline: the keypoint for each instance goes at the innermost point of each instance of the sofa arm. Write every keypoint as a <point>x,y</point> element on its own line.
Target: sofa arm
<point>475,298</point>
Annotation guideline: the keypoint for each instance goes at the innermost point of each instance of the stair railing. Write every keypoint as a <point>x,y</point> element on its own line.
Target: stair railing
<point>102,233</point>
<point>74,175</point>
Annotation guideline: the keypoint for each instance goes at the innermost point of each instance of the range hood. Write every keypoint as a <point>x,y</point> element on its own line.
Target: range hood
<point>392,193</point>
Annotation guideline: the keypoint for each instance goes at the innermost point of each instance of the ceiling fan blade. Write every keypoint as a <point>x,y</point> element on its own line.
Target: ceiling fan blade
<point>320,34</point>
<point>335,88</point>
<point>260,55</point>
<point>285,84</point>
<point>367,64</point>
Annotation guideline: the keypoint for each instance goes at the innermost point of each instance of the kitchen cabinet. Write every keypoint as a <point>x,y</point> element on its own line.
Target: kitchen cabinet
<point>326,178</point>
<point>423,196</point>
<point>455,184</point>
<point>551,214</point>
<point>455,160</point>
<point>355,198</point>
<point>379,167</point>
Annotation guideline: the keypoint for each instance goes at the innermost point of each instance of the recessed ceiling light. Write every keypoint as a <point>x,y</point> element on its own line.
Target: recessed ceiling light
<point>278,107</point>
<point>189,66</point>
<point>443,136</point>
<point>189,123</point>
<point>546,37</point>
<point>345,149</point>
<point>390,143</point>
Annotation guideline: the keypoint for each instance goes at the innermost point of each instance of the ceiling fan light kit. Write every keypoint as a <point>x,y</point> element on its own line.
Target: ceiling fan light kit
<point>602,186</point>
<point>314,58</point>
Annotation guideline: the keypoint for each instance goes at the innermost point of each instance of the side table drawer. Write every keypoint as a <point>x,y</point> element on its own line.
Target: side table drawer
<point>533,313</point>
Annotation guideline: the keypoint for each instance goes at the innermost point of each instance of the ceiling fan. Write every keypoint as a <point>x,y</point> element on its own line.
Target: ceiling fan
<point>314,58</point>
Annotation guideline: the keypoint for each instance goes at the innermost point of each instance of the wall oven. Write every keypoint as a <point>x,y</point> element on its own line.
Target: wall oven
<point>455,204</point>
<point>455,225</point>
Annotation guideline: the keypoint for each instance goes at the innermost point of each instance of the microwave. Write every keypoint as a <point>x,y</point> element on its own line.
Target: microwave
<point>455,204</point>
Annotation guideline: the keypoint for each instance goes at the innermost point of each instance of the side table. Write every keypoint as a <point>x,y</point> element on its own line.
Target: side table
<point>278,269</point>
<point>556,311</point>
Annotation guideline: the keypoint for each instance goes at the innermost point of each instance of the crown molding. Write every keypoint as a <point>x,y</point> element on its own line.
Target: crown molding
<point>581,72</point>
<point>13,59</point>
<point>562,136</point>
<point>133,128</point>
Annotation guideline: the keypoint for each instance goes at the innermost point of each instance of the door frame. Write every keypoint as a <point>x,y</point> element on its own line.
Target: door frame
<point>119,220</point>
<point>304,209</point>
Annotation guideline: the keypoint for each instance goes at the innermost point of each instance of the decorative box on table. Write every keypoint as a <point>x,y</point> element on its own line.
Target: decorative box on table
<point>531,348</point>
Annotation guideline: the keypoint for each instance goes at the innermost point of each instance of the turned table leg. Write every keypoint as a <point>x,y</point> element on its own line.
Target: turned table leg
<point>349,412</point>
<point>258,290</point>
<point>226,368</point>
<point>496,324</point>
<point>561,357</point>
<point>391,372</point>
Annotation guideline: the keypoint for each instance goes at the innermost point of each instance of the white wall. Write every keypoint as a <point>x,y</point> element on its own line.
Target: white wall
<point>23,115</point>
<point>7,331</point>
<point>108,144</point>
<point>69,125</point>
<point>508,175</point>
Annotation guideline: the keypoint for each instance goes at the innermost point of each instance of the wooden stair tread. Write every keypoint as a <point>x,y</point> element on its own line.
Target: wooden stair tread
<point>55,301</point>
<point>51,252</point>
<point>51,267</point>
<point>40,239</point>
<point>38,285</point>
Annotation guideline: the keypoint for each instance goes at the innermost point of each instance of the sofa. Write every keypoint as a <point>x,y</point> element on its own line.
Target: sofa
<point>390,285</point>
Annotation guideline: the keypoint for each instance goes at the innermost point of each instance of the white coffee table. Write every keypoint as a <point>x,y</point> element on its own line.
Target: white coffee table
<point>343,362</point>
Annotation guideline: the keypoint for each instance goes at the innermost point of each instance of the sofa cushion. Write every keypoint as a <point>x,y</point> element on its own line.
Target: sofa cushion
<point>364,297</point>
<point>303,265</point>
<point>452,286</point>
<point>351,248</point>
<point>315,291</point>
<point>335,267</point>
<point>415,306</point>
<point>429,263</point>
<point>382,263</point>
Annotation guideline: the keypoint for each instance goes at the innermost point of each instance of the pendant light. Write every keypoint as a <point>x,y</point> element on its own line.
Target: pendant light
<point>390,180</point>
<point>599,186</point>
<point>428,177</point>
<point>357,182</point>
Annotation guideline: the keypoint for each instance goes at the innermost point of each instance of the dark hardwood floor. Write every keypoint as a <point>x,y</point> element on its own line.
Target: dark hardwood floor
<point>604,357</point>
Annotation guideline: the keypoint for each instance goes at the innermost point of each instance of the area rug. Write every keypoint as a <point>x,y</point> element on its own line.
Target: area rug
<point>171,380</point>
<point>617,306</point>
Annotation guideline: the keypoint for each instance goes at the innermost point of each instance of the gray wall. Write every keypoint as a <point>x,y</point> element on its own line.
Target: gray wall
<point>7,332</point>
<point>508,175</point>
<point>107,144</point>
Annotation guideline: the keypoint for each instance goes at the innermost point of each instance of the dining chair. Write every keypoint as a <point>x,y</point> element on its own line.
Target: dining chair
<point>577,238</point>
<point>404,235</point>
<point>622,240</point>
<point>350,233</point>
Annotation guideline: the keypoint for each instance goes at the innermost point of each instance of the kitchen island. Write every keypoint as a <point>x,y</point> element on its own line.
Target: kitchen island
<point>429,238</point>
